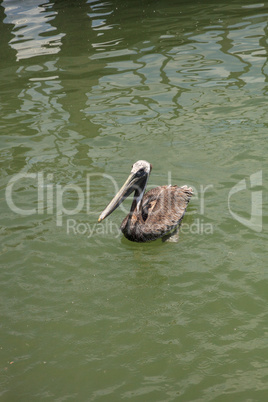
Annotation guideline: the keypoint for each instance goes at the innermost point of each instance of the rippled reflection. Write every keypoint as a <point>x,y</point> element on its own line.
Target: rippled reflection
<point>157,76</point>
<point>32,28</point>
<point>179,65</point>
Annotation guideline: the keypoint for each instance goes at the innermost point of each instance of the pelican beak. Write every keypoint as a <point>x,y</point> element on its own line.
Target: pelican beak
<point>127,188</point>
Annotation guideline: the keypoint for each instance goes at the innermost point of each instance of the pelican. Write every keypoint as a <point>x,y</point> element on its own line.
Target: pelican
<point>153,214</point>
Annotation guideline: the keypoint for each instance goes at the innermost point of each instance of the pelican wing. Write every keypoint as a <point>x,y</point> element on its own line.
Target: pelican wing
<point>163,209</point>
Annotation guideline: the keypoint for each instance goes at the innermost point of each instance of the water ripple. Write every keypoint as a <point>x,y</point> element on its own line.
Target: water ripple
<point>185,87</point>
<point>32,29</point>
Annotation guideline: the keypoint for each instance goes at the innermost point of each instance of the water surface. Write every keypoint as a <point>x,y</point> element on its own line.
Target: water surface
<point>88,88</point>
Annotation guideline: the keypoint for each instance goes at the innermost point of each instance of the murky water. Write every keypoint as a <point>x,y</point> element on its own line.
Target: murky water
<point>88,88</point>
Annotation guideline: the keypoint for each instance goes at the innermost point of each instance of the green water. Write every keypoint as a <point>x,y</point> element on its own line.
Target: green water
<point>87,89</point>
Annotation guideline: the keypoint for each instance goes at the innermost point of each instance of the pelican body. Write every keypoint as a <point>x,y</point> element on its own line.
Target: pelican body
<point>153,214</point>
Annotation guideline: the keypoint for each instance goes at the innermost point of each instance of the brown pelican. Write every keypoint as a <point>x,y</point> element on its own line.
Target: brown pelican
<point>153,214</point>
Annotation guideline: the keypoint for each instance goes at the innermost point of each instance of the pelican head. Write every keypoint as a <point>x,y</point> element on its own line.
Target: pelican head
<point>136,181</point>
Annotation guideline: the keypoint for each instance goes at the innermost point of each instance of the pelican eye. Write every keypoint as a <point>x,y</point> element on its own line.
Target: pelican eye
<point>140,172</point>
